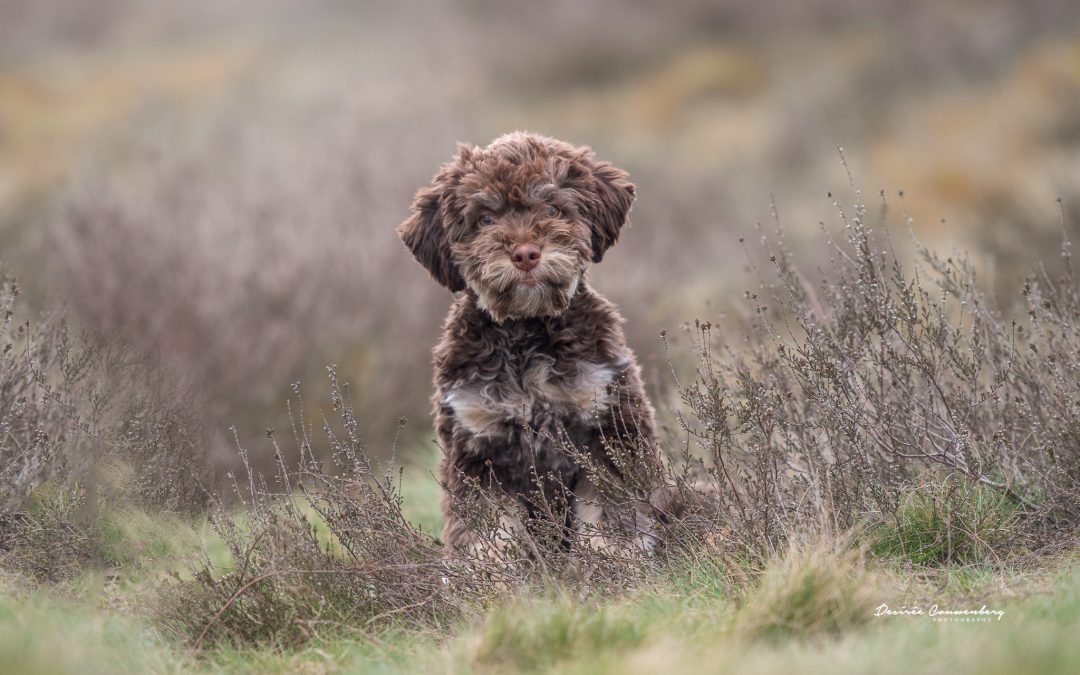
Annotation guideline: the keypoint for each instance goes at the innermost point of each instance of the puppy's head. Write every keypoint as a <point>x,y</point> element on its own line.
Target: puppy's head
<point>518,222</point>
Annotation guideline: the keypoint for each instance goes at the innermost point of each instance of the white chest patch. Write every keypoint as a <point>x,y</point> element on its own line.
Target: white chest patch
<point>483,408</point>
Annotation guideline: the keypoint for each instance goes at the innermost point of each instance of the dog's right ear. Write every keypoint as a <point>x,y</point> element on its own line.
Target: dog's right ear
<point>425,230</point>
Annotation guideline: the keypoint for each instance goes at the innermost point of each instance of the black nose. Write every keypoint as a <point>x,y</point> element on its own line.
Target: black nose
<point>525,256</point>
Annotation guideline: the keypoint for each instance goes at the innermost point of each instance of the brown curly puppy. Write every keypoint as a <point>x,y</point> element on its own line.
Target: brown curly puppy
<point>532,360</point>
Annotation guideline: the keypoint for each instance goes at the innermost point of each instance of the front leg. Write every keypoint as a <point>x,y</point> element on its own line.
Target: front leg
<point>622,472</point>
<point>479,524</point>
<point>480,520</point>
<point>612,526</point>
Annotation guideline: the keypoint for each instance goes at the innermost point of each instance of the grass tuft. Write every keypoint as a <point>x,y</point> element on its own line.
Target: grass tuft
<point>538,635</point>
<point>819,588</point>
<point>949,522</point>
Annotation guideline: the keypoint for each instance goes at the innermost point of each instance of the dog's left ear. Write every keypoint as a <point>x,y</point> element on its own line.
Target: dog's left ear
<point>609,194</point>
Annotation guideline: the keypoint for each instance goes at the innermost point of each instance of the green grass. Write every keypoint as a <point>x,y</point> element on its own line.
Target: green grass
<point>553,633</point>
<point>546,634</point>
<point>947,522</point>
<point>809,610</point>
<point>40,633</point>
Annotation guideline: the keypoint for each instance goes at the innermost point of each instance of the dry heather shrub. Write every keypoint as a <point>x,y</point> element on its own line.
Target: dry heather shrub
<point>45,372</point>
<point>843,393</point>
<point>322,548</point>
<point>53,539</point>
<point>160,434</point>
<point>50,403</point>
<point>82,423</point>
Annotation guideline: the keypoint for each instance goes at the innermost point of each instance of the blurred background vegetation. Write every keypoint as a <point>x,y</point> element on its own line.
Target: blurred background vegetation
<point>219,182</point>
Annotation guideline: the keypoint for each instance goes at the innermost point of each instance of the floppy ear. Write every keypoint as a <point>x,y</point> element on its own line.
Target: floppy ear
<point>609,195</point>
<point>424,233</point>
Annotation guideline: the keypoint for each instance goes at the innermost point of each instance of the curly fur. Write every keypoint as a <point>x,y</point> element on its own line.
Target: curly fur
<point>528,357</point>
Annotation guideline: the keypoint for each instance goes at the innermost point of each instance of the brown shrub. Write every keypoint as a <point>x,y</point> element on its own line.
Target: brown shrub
<point>324,547</point>
<point>82,423</point>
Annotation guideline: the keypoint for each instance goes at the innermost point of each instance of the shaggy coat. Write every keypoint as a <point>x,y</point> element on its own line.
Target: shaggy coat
<point>532,372</point>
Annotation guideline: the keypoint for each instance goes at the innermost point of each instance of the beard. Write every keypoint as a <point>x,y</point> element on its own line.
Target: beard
<point>505,292</point>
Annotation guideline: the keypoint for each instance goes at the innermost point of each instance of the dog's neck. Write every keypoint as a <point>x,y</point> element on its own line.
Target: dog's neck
<point>581,298</point>
<point>581,291</point>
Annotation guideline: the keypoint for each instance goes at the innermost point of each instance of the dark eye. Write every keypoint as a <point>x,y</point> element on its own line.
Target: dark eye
<point>553,210</point>
<point>486,219</point>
